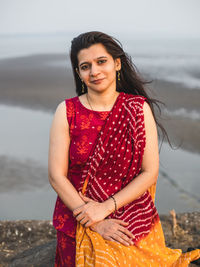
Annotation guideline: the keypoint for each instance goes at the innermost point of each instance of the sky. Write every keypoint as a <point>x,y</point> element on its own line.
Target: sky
<point>140,17</point>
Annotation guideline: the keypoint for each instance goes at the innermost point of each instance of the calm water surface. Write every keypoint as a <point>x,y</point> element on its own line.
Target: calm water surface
<point>24,135</point>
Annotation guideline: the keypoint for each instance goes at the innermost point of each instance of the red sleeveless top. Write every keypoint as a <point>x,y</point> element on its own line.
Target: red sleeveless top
<point>84,125</point>
<point>106,149</point>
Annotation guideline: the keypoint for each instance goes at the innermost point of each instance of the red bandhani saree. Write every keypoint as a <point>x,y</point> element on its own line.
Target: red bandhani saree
<point>114,161</point>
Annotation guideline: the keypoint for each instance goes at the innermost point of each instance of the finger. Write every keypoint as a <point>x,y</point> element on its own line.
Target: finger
<point>121,222</point>
<point>84,221</point>
<point>85,225</point>
<point>89,223</point>
<point>122,225</point>
<point>124,237</point>
<point>80,217</point>
<point>109,238</point>
<point>87,199</point>
<point>120,239</point>
<point>77,211</point>
<point>126,231</point>
<point>81,195</point>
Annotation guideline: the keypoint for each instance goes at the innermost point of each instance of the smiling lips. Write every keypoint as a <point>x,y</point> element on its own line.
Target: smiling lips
<point>97,81</point>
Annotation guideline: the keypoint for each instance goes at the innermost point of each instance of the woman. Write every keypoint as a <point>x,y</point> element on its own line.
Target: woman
<point>104,164</point>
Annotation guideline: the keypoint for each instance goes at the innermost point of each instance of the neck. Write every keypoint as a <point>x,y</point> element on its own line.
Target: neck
<point>102,101</point>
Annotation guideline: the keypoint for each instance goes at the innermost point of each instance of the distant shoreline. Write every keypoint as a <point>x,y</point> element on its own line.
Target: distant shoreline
<point>32,82</point>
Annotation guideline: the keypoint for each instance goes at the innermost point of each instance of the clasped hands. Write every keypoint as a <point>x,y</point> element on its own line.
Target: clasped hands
<point>91,212</point>
<point>92,215</point>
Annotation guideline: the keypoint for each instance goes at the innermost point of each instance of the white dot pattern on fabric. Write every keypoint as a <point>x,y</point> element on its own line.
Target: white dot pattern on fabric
<point>110,159</point>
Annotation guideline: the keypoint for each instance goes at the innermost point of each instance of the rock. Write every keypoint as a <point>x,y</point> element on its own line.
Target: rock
<point>38,256</point>
<point>33,243</point>
<point>17,237</point>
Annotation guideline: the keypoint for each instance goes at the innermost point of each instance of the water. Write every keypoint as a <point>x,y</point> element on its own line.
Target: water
<point>24,137</point>
<point>182,112</point>
<point>28,205</point>
<point>173,60</point>
<point>24,134</point>
<point>25,45</point>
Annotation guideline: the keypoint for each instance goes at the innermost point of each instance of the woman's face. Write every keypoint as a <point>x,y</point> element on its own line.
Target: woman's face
<point>97,68</point>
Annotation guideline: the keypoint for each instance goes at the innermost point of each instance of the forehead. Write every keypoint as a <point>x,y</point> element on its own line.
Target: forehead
<point>92,52</point>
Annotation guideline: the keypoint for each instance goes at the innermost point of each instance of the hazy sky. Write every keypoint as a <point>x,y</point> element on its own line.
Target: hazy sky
<point>151,17</point>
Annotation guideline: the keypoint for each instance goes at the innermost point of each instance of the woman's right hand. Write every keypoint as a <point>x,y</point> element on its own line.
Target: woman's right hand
<point>114,230</point>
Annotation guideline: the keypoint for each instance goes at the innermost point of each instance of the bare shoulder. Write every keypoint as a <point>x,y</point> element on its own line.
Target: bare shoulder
<point>60,116</point>
<point>150,161</point>
<point>149,120</point>
<point>148,114</point>
<point>59,142</point>
<point>147,109</point>
<point>61,108</point>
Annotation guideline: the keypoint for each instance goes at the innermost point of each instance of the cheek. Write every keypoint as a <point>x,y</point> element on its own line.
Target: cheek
<point>84,75</point>
<point>111,70</point>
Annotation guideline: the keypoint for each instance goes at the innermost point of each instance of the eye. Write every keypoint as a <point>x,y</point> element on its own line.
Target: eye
<point>84,67</point>
<point>102,61</point>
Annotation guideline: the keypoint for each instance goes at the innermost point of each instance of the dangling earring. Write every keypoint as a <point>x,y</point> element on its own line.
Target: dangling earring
<point>118,75</point>
<point>83,87</point>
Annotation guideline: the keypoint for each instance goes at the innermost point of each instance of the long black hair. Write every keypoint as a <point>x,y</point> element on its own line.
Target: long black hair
<point>130,82</point>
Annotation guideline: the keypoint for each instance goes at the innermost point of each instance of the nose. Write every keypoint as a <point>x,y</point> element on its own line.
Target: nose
<point>94,70</point>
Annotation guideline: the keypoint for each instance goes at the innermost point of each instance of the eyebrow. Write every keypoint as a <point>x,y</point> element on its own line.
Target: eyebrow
<point>87,62</point>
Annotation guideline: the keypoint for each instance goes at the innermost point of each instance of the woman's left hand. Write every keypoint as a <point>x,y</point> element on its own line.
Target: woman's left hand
<point>91,212</point>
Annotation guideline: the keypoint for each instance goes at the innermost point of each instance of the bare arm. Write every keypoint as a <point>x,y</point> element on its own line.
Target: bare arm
<point>58,167</point>
<point>58,160</point>
<point>150,166</point>
<point>91,213</point>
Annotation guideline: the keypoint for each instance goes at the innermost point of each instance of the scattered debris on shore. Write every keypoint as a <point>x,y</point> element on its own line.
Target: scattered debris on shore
<point>32,243</point>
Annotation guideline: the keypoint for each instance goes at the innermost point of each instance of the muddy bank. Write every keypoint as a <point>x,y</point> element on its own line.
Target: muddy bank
<point>35,82</point>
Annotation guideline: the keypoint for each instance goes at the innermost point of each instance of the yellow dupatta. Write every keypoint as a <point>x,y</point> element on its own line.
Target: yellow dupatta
<point>92,250</point>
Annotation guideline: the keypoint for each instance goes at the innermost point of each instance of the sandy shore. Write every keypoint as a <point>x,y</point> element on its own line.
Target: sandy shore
<point>182,131</point>
<point>30,82</point>
<point>34,82</point>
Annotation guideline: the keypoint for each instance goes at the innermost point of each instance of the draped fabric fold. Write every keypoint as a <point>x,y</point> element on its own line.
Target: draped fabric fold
<point>115,161</point>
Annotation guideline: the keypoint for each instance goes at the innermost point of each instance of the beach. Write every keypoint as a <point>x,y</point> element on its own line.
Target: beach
<point>161,42</point>
<point>31,89</point>
<point>34,82</point>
